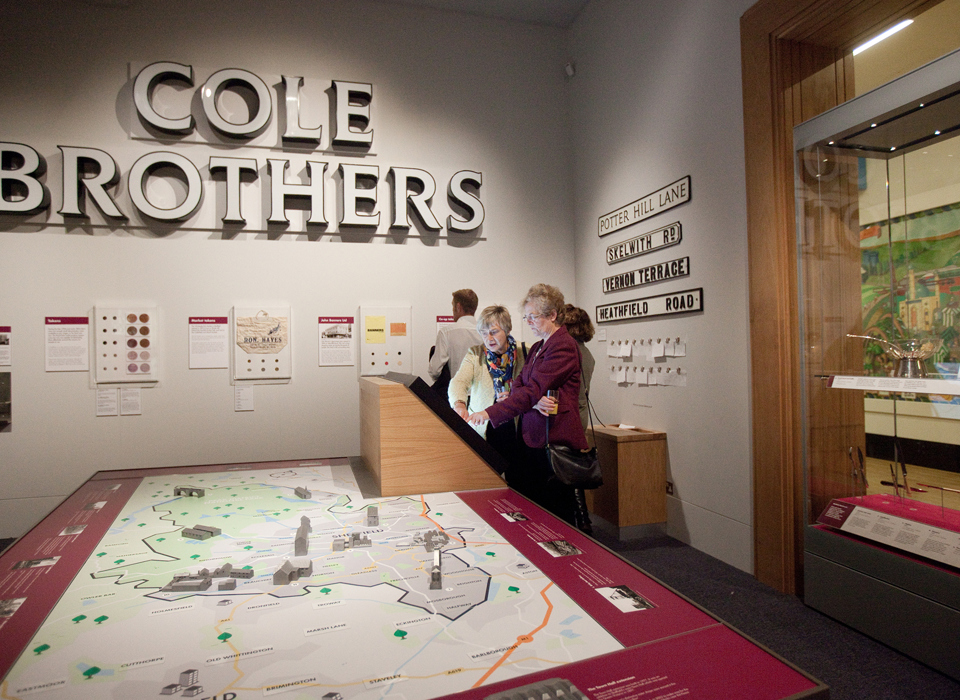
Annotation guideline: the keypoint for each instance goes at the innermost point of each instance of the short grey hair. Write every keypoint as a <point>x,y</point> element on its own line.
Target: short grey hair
<point>494,315</point>
<point>545,298</point>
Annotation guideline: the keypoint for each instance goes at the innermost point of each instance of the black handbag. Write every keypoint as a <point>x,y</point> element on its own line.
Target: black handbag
<point>572,467</point>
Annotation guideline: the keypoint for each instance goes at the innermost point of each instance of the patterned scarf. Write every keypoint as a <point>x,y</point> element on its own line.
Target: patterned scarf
<point>501,366</point>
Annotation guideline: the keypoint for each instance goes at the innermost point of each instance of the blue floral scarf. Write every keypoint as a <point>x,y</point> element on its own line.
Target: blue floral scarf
<point>501,366</point>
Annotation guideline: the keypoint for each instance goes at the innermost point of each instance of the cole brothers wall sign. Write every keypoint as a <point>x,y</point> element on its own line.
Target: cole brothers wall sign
<point>315,166</point>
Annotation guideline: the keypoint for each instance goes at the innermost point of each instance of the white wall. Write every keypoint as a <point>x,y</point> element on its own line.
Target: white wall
<point>451,92</point>
<point>657,96</point>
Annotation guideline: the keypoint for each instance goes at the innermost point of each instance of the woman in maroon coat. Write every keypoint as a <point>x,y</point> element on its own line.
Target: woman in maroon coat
<point>553,363</point>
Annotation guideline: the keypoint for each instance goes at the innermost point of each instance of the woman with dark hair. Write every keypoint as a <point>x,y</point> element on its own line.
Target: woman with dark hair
<point>581,329</point>
<point>552,364</point>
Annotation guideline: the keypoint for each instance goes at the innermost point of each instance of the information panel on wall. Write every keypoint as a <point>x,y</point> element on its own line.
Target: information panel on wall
<point>386,343</point>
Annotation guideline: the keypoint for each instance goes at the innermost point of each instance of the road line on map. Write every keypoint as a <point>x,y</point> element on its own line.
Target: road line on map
<point>522,639</point>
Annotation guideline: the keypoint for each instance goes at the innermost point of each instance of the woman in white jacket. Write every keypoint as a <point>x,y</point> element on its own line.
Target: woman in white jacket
<point>486,374</point>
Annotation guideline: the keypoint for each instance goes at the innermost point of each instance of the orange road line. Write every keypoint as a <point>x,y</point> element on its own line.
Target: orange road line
<point>522,639</point>
<point>423,514</point>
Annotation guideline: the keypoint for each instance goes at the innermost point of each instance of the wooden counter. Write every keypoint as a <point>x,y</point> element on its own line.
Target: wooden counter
<point>408,449</point>
<point>634,463</point>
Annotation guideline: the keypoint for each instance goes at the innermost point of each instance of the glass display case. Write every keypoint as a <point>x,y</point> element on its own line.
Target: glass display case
<point>878,234</point>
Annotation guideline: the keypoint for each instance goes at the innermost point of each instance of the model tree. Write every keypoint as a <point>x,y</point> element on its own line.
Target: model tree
<point>40,649</point>
<point>100,619</point>
<point>91,672</point>
<point>78,618</point>
<point>401,634</point>
<point>224,637</point>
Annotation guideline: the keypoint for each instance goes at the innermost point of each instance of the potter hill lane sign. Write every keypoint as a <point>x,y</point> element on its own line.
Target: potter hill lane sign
<point>671,269</point>
<point>660,305</point>
<point>662,200</point>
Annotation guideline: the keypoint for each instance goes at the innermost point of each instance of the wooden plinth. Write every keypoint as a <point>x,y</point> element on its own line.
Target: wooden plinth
<point>634,463</point>
<point>408,449</point>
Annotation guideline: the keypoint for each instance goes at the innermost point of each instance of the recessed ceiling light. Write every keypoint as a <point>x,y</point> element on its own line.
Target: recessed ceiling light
<point>880,37</point>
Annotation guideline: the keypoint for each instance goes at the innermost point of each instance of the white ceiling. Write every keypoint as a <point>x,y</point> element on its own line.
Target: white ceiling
<point>554,13</point>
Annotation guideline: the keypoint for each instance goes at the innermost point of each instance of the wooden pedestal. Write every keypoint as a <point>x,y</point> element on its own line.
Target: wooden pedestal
<point>634,463</point>
<point>408,449</point>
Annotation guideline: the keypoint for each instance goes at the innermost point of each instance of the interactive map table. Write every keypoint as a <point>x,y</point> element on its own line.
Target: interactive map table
<point>243,581</point>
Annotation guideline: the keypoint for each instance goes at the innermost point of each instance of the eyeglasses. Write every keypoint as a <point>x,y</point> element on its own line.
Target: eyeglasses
<point>531,317</point>
<point>490,331</point>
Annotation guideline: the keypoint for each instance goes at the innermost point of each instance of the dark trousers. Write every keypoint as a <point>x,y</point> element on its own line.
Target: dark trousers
<point>530,474</point>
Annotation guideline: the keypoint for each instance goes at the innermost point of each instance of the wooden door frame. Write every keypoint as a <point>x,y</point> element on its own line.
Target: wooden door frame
<point>777,37</point>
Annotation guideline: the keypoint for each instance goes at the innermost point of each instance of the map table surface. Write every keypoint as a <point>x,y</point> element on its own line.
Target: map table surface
<point>281,578</point>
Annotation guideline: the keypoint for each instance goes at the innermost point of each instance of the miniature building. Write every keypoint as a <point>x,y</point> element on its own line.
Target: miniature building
<point>355,540</point>
<point>332,696</point>
<point>171,689</point>
<point>200,532</point>
<point>292,571</point>
<point>227,585</point>
<point>302,492</point>
<point>435,540</point>
<point>373,517</point>
<point>189,677</point>
<point>358,540</point>
<point>188,491</point>
<point>190,584</point>
<point>242,573</point>
<point>194,534</point>
<point>549,689</point>
<point>223,571</point>
<point>436,581</point>
<point>285,574</point>
<point>301,543</point>
<point>193,691</point>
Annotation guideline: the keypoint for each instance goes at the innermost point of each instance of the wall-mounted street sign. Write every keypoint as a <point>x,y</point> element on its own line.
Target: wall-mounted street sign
<point>645,243</point>
<point>659,305</point>
<point>648,275</point>
<point>665,198</point>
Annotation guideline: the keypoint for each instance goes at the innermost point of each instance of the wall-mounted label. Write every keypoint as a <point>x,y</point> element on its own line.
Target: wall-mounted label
<point>645,243</point>
<point>66,343</point>
<point>659,305</point>
<point>337,348</point>
<point>209,342</point>
<point>662,200</point>
<point>5,333</point>
<point>648,275</point>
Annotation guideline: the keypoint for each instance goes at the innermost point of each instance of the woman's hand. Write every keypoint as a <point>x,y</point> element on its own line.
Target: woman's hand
<point>502,395</point>
<point>546,406</point>
<point>478,418</point>
<point>461,408</point>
